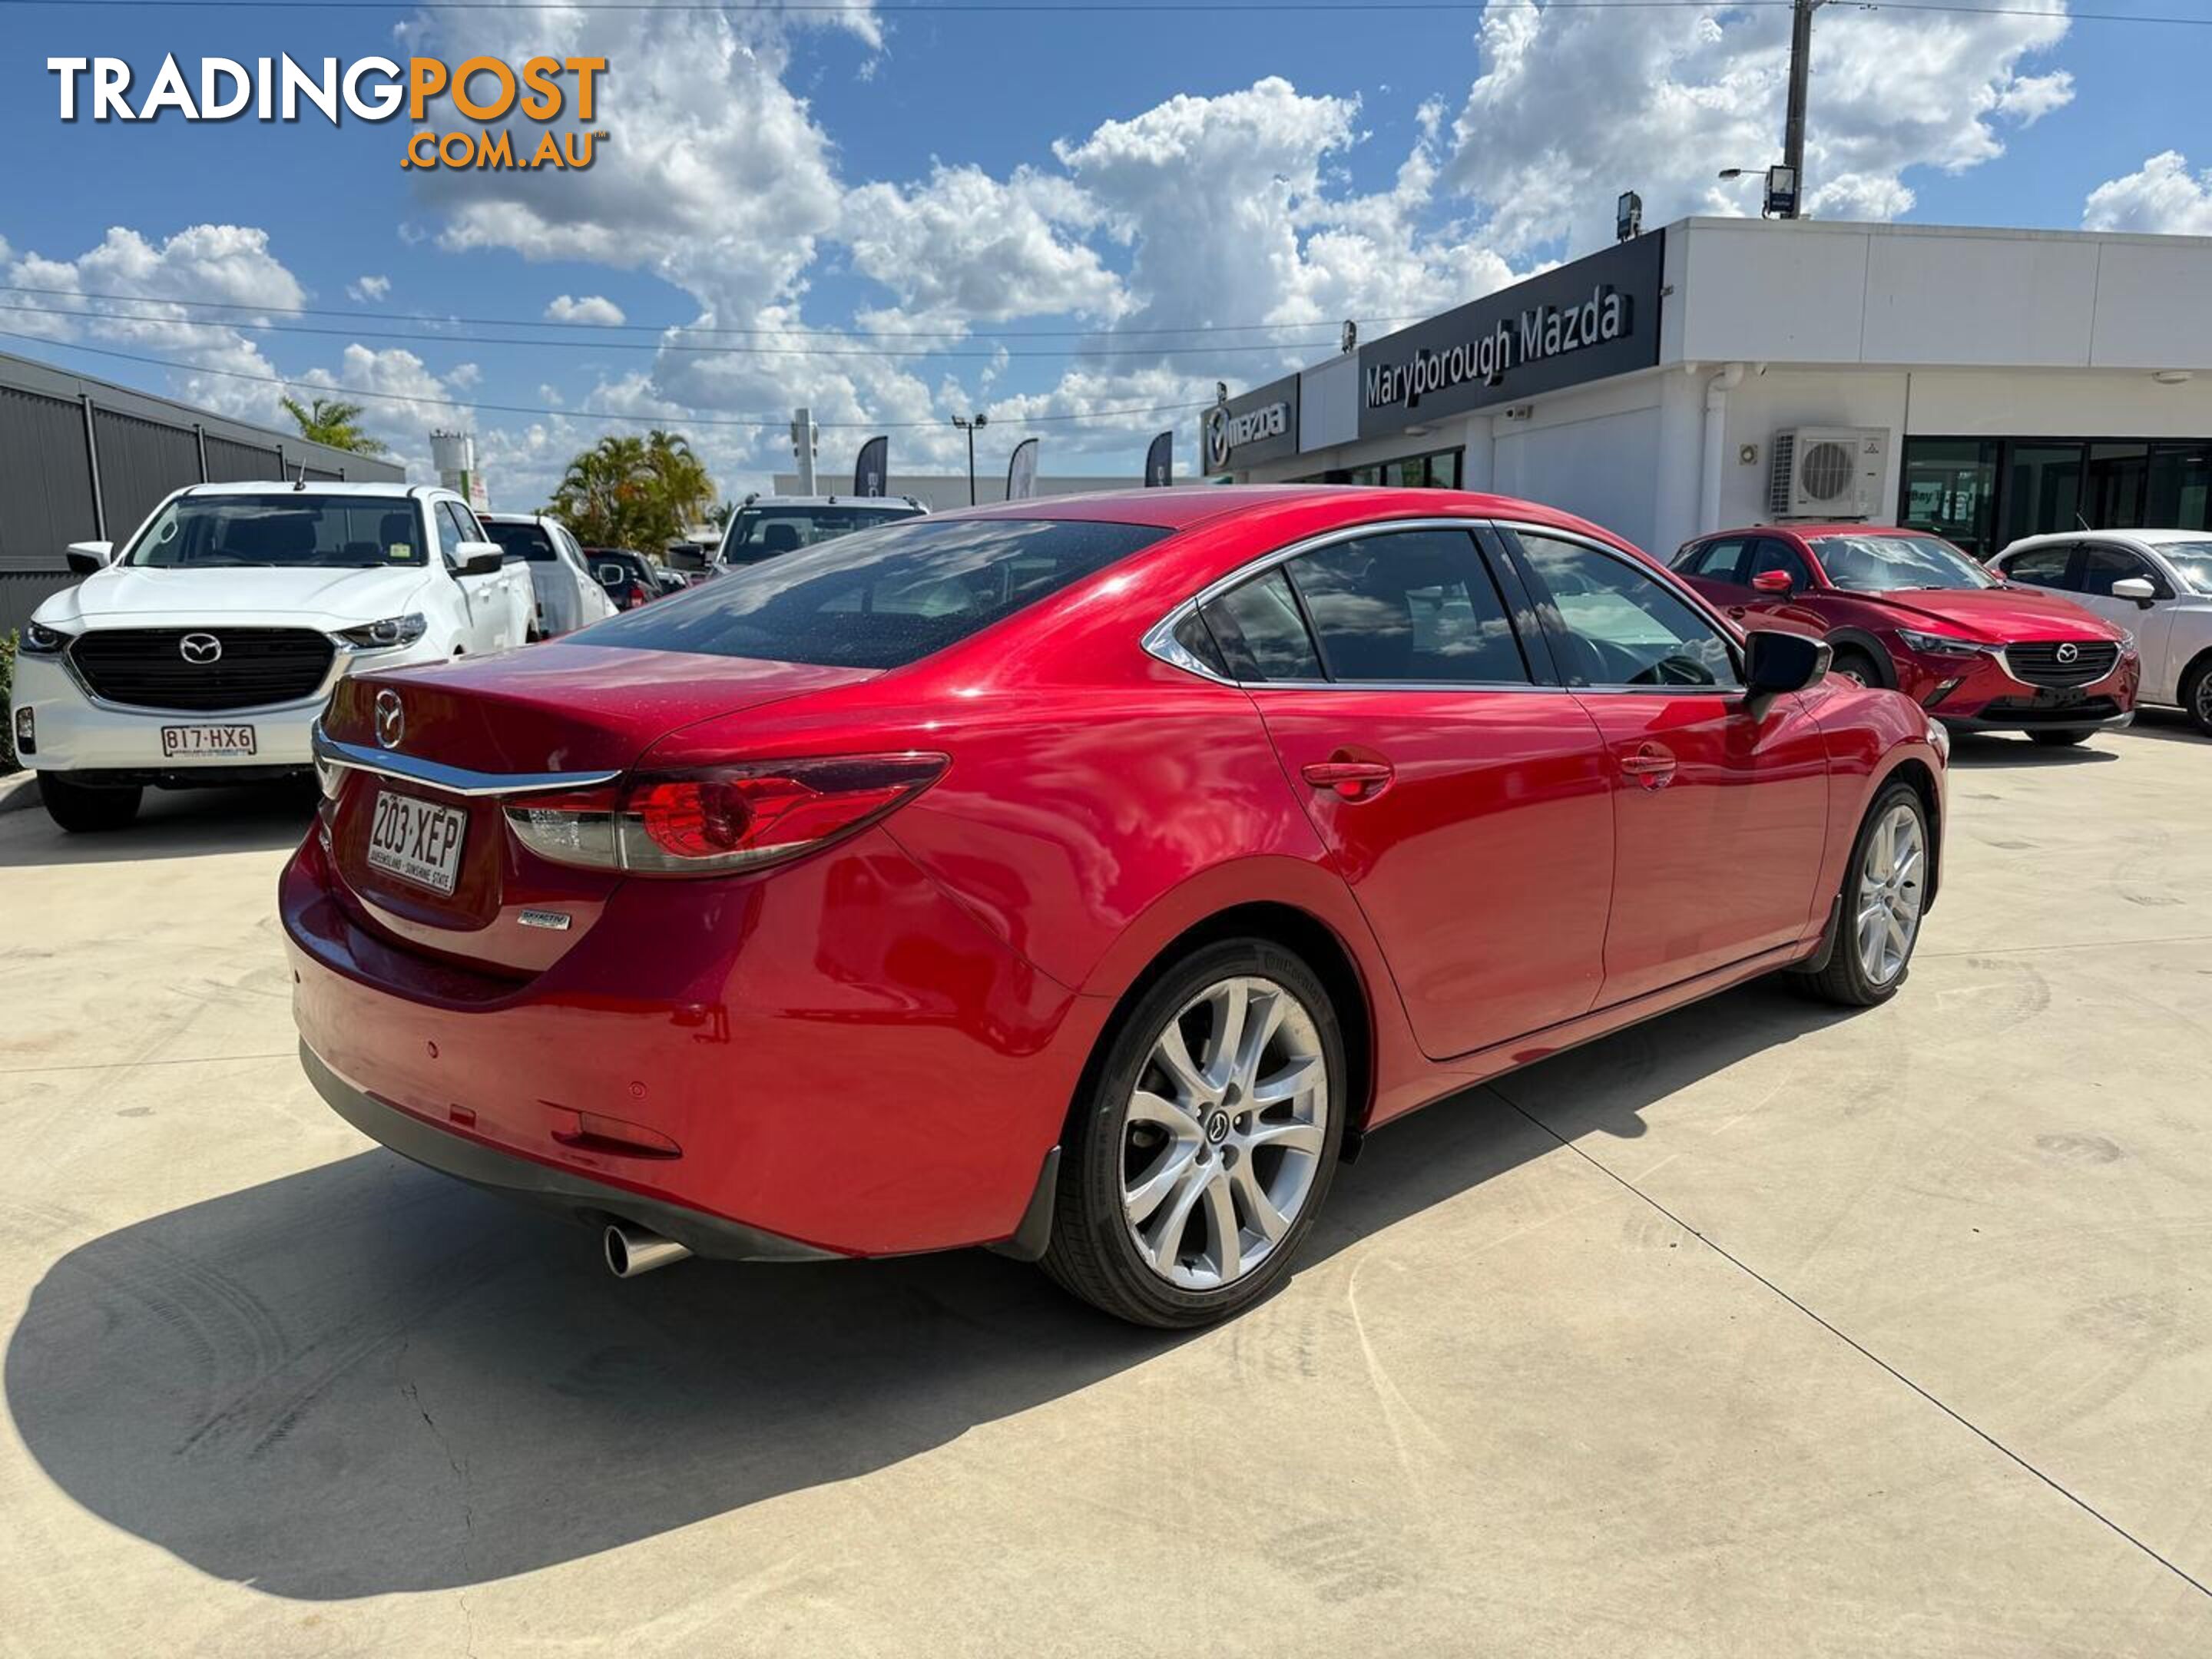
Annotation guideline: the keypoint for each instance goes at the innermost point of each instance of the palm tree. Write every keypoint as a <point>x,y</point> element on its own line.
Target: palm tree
<point>634,492</point>
<point>334,421</point>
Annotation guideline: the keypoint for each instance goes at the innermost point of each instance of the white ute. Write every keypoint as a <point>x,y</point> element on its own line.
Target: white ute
<point>203,653</point>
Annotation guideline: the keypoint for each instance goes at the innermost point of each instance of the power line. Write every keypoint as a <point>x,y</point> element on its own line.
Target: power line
<point>246,327</point>
<point>756,423</point>
<point>686,328</point>
<point>1079,8</point>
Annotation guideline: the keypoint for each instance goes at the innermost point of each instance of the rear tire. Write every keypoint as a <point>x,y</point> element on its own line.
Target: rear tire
<point>2059,739</point>
<point>1191,1179</point>
<point>2197,696</point>
<point>87,809</point>
<point>1866,965</point>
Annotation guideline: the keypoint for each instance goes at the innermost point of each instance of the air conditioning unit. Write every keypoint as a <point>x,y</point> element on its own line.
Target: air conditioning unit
<point>1828,472</point>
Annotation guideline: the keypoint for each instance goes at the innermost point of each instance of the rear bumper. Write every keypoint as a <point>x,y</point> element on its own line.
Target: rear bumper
<point>829,1059</point>
<point>543,1185</point>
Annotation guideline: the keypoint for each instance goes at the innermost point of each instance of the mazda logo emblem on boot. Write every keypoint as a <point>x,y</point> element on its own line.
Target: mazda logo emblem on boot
<point>200,649</point>
<point>391,720</point>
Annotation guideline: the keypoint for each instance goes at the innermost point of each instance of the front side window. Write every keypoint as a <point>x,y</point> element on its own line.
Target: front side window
<point>2103,565</point>
<point>1261,633</point>
<point>1619,626</point>
<point>1769,554</point>
<point>880,599</point>
<point>1878,563</point>
<point>281,530</point>
<point>1411,606</point>
<point>2040,567</point>
<point>528,542</point>
<point>450,533</point>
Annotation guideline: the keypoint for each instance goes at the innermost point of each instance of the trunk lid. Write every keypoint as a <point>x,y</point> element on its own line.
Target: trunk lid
<point>549,709</point>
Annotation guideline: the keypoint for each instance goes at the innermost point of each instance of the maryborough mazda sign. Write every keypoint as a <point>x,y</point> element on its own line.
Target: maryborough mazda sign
<point>1596,317</point>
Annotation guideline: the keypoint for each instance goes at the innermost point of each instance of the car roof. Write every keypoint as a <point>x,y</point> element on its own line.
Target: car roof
<point>1840,527</point>
<point>317,486</point>
<point>1190,505</point>
<point>886,504</point>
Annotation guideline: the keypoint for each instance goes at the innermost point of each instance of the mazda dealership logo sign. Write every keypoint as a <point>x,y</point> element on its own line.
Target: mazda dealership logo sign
<point>1225,433</point>
<point>200,649</point>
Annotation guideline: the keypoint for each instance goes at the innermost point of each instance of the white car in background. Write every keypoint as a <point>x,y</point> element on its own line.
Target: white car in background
<point>766,526</point>
<point>568,595</point>
<point>204,652</point>
<point>2157,584</point>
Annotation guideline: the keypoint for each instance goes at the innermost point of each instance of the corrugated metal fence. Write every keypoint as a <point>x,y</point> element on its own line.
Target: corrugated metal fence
<point>82,460</point>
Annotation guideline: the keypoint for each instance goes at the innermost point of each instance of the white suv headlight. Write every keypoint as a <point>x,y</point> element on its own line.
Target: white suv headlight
<point>40,640</point>
<point>387,634</point>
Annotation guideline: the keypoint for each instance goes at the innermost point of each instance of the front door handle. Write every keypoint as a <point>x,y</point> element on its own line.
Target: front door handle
<point>1650,764</point>
<point>1352,780</point>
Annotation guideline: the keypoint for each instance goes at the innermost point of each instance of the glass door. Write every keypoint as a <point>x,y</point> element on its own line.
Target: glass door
<point>2117,475</point>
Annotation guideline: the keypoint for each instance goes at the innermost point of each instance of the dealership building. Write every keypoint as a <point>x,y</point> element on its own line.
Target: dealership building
<point>1984,384</point>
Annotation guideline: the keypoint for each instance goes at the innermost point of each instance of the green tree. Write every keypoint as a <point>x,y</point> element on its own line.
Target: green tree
<point>334,421</point>
<point>634,492</point>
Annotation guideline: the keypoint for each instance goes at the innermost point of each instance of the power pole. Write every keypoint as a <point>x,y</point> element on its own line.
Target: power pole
<point>1800,70</point>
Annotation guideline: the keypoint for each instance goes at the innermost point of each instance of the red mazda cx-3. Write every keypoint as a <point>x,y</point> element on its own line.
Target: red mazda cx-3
<point>1080,877</point>
<point>1907,610</point>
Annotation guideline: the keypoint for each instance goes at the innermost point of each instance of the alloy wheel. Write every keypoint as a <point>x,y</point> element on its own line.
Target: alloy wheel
<point>1224,1134</point>
<point>1892,886</point>
<point>2203,711</point>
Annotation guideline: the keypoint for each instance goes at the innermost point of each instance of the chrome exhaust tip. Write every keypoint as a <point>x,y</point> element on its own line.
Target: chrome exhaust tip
<point>633,1250</point>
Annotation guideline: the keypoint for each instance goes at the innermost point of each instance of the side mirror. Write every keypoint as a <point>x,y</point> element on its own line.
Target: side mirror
<point>478,558</point>
<point>1776,660</point>
<point>2138,588</point>
<point>85,557</point>
<point>1774,581</point>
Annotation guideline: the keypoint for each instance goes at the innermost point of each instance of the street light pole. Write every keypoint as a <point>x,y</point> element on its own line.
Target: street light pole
<point>968,425</point>
<point>1801,70</point>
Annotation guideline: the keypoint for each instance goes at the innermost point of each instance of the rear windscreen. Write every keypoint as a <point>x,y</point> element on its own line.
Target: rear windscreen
<point>879,598</point>
<point>522,541</point>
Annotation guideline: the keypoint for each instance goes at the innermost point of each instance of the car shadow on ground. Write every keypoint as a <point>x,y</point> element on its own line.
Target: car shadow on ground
<point>1970,751</point>
<point>365,1378</point>
<point>172,824</point>
<point>2167,726</point>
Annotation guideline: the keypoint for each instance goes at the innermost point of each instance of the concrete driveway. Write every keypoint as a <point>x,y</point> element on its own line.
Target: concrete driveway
<point>1757,1330</point>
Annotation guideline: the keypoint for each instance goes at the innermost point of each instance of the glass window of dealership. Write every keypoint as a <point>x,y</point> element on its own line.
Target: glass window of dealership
<point>1996,384</point>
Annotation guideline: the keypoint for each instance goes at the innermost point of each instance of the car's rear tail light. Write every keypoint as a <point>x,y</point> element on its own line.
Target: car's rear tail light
<point>721,819</point>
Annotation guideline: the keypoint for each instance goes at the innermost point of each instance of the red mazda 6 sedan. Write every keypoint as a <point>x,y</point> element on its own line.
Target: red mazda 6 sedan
<point>1905,609</point>
<point>1083,877</point>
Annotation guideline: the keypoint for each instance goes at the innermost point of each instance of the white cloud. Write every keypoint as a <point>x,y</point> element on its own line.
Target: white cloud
<point>1572,107</point>
<point>968,245</point>
<point>369,290</point>
<point>591,308</point>
<point>2162,195</point>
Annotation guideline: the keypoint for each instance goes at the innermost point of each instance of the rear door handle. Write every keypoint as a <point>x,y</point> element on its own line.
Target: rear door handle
<point>1352,780</point>
<point>1651,764</point>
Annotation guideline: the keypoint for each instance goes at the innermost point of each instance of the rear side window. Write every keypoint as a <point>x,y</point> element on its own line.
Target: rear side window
<point>1262,633</point>
<point>880,599</point>
<point>1412,606</point>
<point>2041,567</point>
<point>1716,561</point>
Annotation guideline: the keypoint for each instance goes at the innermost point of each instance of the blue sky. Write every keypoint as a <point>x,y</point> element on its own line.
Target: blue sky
<point>1001,182</point>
